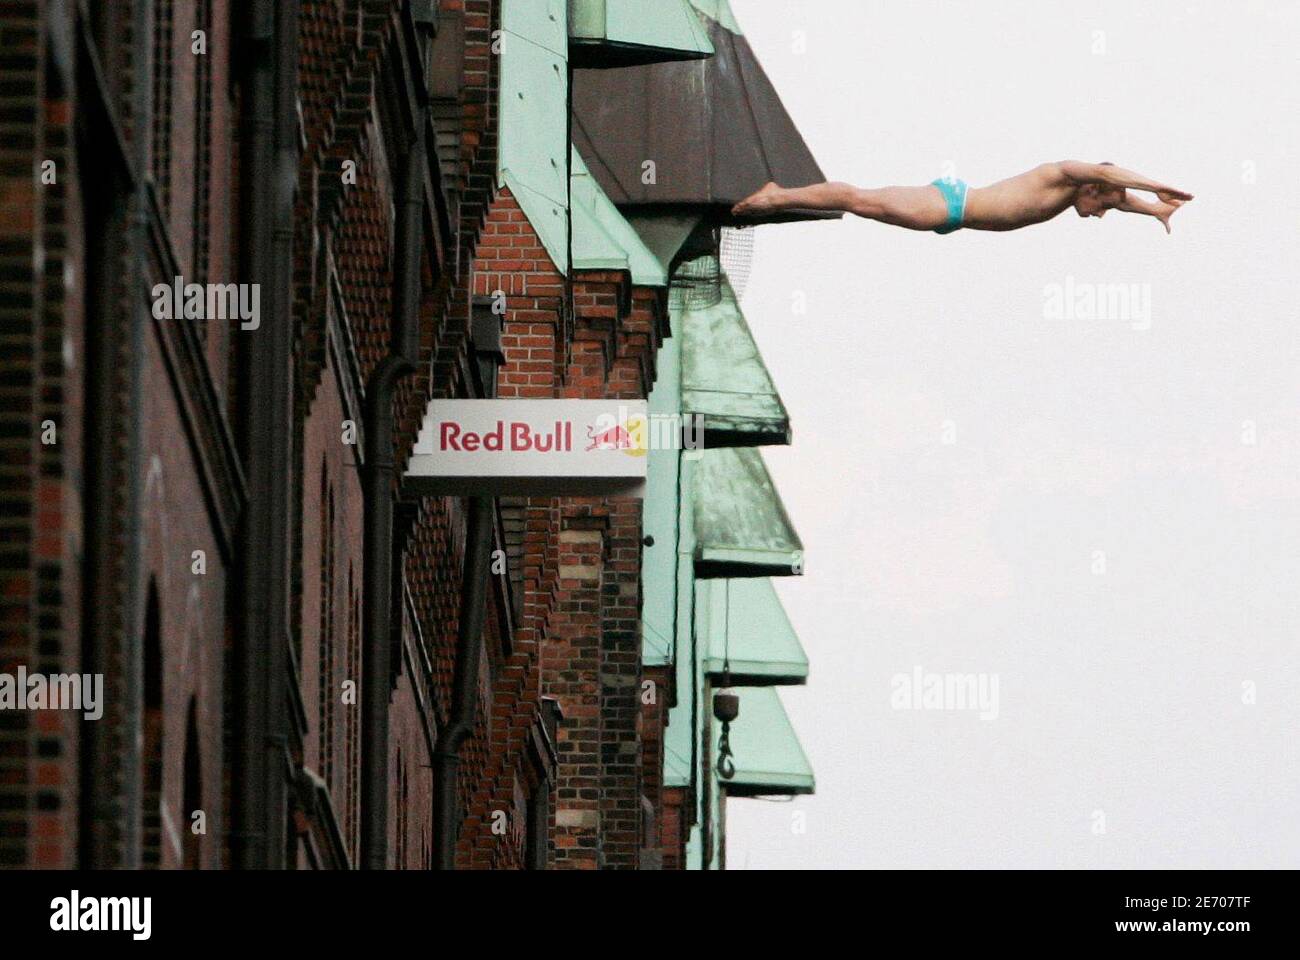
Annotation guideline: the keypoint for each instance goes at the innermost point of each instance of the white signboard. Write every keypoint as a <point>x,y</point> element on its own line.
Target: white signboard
<point>531,447</point>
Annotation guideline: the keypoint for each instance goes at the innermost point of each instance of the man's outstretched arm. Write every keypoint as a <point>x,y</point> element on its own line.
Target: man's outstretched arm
<point>1110,175</point>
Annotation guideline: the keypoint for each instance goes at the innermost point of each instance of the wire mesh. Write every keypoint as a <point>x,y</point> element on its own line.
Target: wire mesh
<point>737,257</point>
<point>697,284</point>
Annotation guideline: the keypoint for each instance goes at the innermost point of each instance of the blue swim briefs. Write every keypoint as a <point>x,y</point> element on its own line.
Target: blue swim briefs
<point>954,194</point>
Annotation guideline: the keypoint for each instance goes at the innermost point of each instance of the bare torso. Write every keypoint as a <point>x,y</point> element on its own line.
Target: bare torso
<point>1031,197</point>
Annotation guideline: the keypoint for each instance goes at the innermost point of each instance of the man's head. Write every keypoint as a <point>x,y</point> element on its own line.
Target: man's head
<point>1094,199</point>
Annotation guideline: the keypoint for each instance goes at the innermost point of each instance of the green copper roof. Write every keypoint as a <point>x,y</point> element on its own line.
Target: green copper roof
<point>677,766</point>
<point>718,11</point>
<point>619,33</point>
<point>602,239</point>
<point>741,527</point>
<point>665,578</point>
<point>543,22</point>
<point>725,381</point>
<point>769,758</point>
<point>748,627</point>
<point>665,581</point>
<point>659,564</point>
<point>684,720</point>
<point>533,159</point>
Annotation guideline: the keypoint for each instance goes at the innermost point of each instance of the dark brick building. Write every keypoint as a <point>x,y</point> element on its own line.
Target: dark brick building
<point>242,247</point>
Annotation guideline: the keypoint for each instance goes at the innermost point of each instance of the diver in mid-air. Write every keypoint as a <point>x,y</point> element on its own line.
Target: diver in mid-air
<point>948,204</point>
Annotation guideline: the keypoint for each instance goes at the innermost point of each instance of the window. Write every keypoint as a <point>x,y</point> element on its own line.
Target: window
<point>192,792</point>
<point>328,691</point>
<point>488,351</point>
<point>537,848</point>
<point>163,45</point>
<point>401,812</point>
<point>352,722</point>
<point>152,736</point>
<point>202,145</point>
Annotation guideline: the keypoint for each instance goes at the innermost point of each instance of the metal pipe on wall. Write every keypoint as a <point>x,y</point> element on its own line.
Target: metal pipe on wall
<point>464,696</point>
<point>138,318</point>
<point>270,160</point>
<point>378,491</point>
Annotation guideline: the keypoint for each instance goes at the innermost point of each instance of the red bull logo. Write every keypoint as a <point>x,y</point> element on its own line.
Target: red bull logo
<point>627,437</point>
<point>525,447</point>
<point>615,438</point>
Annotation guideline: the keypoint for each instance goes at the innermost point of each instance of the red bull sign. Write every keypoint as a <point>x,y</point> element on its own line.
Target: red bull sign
<point>531,447</point>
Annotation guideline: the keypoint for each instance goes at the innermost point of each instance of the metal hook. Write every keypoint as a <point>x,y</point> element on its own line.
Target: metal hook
<point>726,767</point>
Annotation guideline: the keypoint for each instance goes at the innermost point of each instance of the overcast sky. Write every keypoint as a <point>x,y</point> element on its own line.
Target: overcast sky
<point>1102,514</point>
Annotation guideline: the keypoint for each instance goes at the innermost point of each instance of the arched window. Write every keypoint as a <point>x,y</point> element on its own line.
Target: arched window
<point>326,652</point>
<point>351,721</point>
<point>401,812</point>
<point>152,729</point>
<point>192,792</point>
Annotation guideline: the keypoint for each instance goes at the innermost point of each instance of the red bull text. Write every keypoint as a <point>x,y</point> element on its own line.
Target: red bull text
<point>514,437</point>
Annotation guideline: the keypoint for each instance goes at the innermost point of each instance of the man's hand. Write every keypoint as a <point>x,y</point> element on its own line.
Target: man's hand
<point>1160,211</point>
<point>1174,197</point>
<point>1164,211</point>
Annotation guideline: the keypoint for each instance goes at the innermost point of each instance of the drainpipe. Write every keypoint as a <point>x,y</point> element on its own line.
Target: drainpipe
<point>270,157</point>
<point>464,695</point>
<point>280,765</point>
<point>479,534</point>
<point>378,490</point>
<point>133,647</point>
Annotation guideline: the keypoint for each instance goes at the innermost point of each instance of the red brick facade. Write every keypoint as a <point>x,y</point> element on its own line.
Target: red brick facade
<point>123,543</point>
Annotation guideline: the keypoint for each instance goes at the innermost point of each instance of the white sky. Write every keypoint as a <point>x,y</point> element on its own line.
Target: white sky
<point>1121,692</point>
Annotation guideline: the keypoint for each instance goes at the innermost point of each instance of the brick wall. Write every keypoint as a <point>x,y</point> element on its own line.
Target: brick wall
<point>589,613</point>
<point>676,826</point>
<point>331,584</point>
<point>28,833</point>
<point>59,547</point>
<point>192,621</point>
<point>654,720</point>
<point>510,260</point>
<point>70,345</point>
<point>562,622</point>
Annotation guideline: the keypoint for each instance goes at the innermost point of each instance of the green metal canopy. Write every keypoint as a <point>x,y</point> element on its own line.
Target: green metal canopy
<point>602,238</point>
<point>533,158</point>
<point>621,33</point>
<point>724,379</point>
<point>769,758</point>
<point>719,11</point>
<point>666,575</point>
<point>741,527</point>
<point>748,630</point>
